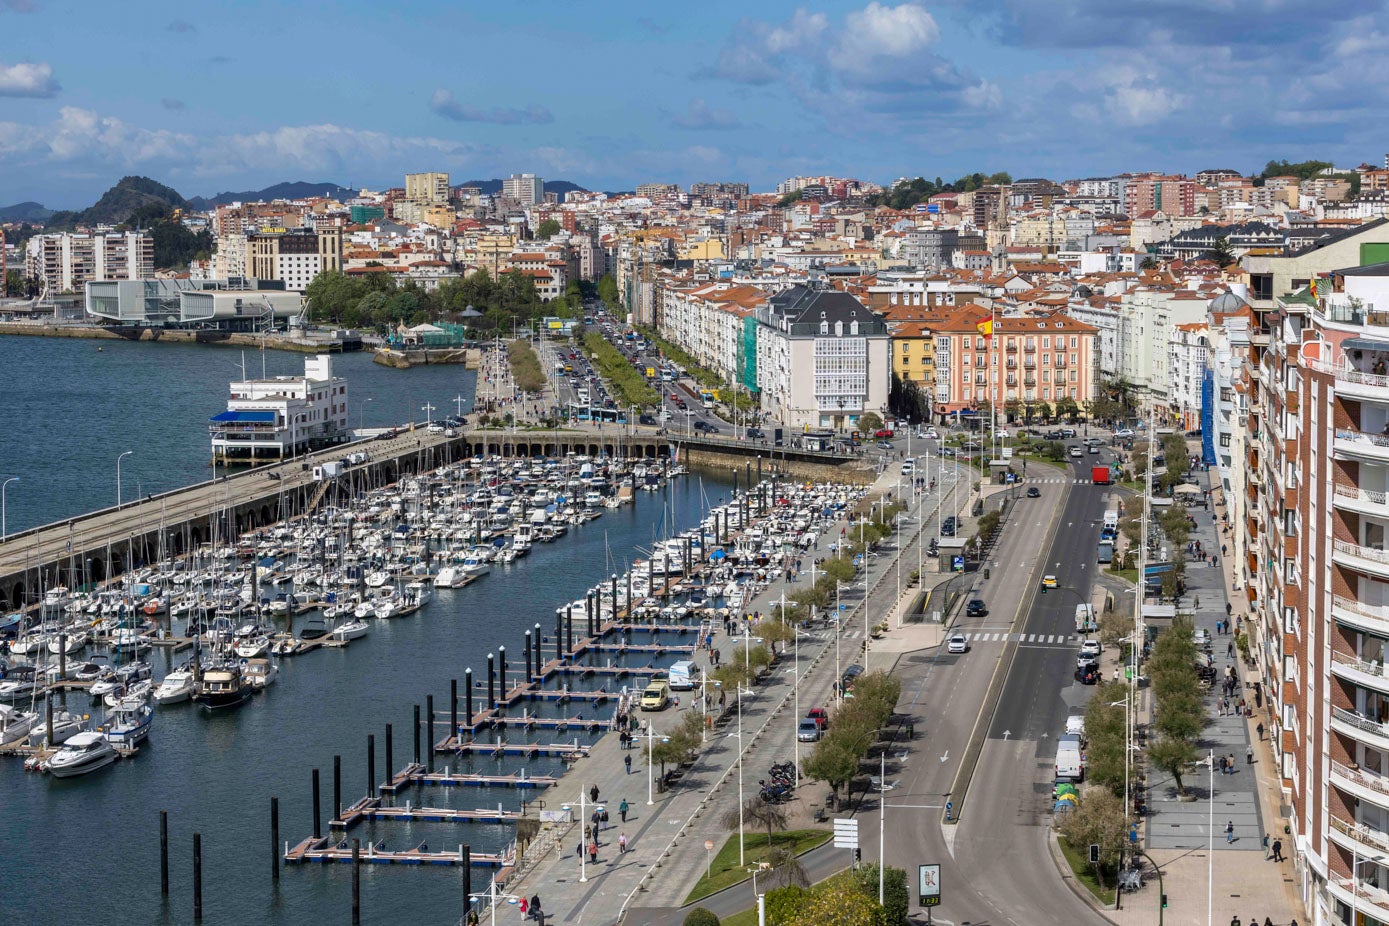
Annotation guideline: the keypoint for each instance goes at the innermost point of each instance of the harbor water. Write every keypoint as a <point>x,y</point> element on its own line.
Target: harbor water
<point>78,846</point>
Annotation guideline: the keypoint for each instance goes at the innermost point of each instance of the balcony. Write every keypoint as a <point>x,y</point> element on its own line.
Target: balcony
<point>1359,672</point>
<point>1362,501</point>
<point>1364,559</point>
<point>1363,784</point>
<point>1370,387</point>
<point>1359,836</point>
<point>1360,728</point>
<point>1011,348</point>
<point>1358,445</point>
<point>1367,617</point>
<point>1363,897</point>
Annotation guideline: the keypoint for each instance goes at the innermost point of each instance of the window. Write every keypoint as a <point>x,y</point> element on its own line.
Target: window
<point>1074,377</point>
<point>1046,376</point>
<point>1046,342</point>
<point>1290,620</point>
<point>1075,342</point>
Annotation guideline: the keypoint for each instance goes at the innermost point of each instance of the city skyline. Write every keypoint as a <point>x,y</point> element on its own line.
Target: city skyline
<point>612,96</point>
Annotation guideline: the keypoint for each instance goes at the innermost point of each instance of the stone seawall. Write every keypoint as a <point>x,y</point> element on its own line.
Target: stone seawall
<point>861,474</point>
<point>170,335</point>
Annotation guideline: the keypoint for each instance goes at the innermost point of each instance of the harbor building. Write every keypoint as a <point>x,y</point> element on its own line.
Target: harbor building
<point>236,304</point>
<point>278,417</point>
<point>67,261</point>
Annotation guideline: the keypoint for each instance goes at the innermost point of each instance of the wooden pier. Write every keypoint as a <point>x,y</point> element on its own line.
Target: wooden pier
<point>371,808</point>
<point>325,850</point>
<point>415,774</point>
<point>526,750</point>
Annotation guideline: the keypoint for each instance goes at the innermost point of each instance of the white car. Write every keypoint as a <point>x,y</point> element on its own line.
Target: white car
<point>1090,648</point>
<point>435,429</point>
<point>1124,433</point>
<point>957,643</point>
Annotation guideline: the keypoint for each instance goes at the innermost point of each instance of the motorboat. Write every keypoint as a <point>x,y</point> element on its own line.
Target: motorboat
<point>315,627</point>
<point>177,686</point>
<point>19,682</point>
<point>131,691</point>
<point>15,724</point>
<point>56,597</point>
<point>90,671</point>
<point>259,673</point>
<point>82,754</point>
<point>65,724</point>
<point>129,640</point>
<point>450,577</point>
<point>222,686</point>
<point>68,642</point>
<point>354,629</point>
<point>252,647</point>
<point>285,645</point>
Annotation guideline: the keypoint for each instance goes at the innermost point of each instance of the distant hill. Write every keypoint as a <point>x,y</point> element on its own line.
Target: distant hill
<point>493,187</point>
<point>118,204</point>
<point>294,189</point>
<point>24,212</point>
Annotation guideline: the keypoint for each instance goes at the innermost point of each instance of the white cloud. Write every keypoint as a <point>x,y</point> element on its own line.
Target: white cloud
<point>884,31</point>
<point>983,95</point>
<point>27,79</point>
<point>443,104</point>
<point>1142,105</point>
<point>802,29</point>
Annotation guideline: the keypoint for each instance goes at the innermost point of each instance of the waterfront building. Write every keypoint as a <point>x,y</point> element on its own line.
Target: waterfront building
<point>68,260</point>
<point>276,418</point>
<point>235,304</point>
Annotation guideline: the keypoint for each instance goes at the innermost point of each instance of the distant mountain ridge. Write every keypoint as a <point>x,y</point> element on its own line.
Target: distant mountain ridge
<point>293,189</point>
<point>25,212</point>
<point>119,203</point>
<point>494,186</point>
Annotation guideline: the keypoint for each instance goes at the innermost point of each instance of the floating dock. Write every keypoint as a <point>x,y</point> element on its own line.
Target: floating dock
<point>370,808</point>
<point>325,850</point>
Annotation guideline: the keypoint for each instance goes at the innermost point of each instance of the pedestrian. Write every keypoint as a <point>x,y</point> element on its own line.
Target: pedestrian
<point>1249,755</point>
<point>1265,844</point>
<point>1278,850</point>
<point>622,810</point>
<point>1220,706</point>
<point>1229,831</point>
<point>593,794</point>
<point>593,853</point>
<point>524,906</point>
<point>1229,608</point>
<point>579,847</point>
<point>622,843</point>
<point>1230,650</point>
<point>535,906</point>
<point>1231,764</point>
<point>627,759</point>
<point>1260,730</point>
<point>1234,920</point>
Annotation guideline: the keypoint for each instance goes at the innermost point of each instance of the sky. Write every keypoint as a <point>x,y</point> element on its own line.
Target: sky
<point>611,93</point>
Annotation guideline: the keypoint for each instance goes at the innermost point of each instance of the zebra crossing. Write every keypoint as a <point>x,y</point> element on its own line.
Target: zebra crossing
<point>1059,480</point>
<point>1068,639</point>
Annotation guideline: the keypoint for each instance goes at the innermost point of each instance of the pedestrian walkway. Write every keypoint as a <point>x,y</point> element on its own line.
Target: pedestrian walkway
<point>570,887</point>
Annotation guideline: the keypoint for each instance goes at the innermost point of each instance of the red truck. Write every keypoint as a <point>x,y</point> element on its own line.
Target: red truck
<point>1099,475</point>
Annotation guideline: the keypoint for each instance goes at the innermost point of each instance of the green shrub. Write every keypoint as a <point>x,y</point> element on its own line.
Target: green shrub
<point>701,916</point>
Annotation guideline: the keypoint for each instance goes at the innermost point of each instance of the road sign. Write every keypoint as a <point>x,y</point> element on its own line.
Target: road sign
<point>959,563</point>
<point>928,887</point>
<point>846,833</point>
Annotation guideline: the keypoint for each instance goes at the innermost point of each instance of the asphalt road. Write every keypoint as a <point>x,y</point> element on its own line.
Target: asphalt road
<point>1003,837</point>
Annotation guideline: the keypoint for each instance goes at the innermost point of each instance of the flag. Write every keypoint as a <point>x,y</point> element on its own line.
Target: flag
<point>1313,287</point>
<point>986,327</point>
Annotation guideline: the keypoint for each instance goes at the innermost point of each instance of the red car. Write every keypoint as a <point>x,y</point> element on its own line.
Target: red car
<point>820,716</point>
<point>883,433</point>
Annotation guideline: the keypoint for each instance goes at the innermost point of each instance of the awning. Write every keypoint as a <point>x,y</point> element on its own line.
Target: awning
<point>1365,344</point>
<point>245,417</point>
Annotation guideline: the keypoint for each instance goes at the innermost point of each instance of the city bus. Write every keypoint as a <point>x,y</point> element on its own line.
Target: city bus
<point>706,398</point>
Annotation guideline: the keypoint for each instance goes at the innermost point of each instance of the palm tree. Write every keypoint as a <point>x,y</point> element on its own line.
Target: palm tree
<point>759,812</point>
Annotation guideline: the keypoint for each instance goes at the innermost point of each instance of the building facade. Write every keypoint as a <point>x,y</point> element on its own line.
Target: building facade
<point>275,418</point>
<point>524,188</point>
<point>67,261</point>
<point>293,256</point>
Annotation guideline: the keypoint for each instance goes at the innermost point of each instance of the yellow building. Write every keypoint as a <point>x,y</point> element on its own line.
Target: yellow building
<point>427,189</point>
<point>913,353</point>
<point>706,249</point>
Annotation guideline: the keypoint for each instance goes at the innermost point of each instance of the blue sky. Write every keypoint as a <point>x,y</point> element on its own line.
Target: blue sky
<point>611,93</point>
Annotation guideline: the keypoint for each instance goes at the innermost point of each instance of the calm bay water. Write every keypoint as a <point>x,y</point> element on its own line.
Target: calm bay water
<point>89,846</point>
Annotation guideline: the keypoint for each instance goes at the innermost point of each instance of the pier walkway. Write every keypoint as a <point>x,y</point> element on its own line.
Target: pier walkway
<point>665,839</point>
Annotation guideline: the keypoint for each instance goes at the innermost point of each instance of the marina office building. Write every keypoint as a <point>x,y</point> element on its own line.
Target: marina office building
<point>275,418</point>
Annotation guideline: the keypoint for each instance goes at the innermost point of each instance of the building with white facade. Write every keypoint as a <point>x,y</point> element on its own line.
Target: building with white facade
<point>524,188</point>
<point>823,359</point>
<point>69,260</point>
<point>276,418</point>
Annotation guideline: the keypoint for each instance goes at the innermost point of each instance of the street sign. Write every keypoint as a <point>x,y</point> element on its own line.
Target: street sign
<point>928,888</point>
<point>959,563</point>
<point>846,833</point>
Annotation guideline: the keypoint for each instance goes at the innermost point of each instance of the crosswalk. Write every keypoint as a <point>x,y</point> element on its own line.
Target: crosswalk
<point>1042,638</point>
<point>1060,480</point>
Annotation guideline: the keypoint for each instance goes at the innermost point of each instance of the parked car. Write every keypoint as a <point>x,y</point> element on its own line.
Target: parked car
<point>820,716</point>
<point>808,731</point>
<point>1091,648</point>
<point>1124,433</point>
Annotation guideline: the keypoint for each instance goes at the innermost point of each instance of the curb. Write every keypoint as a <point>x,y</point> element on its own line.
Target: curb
<point>1063,871</point>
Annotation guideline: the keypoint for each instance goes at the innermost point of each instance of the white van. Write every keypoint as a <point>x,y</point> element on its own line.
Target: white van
<point>684,675</point>
<point>1085,619</point>
<point>1070,761</point>
<point>1075,725</point>
<point>1111,519</point>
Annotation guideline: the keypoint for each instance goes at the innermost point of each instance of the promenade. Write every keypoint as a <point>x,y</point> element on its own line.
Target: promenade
<point>666,839</point>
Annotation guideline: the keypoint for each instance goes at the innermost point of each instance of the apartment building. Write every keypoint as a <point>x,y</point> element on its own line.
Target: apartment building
<point>294,256</point>
<point>524,188</point>
<point>67,261</point>
<point>822,358</point>
<point>716,324</point>
<point>428,189</point>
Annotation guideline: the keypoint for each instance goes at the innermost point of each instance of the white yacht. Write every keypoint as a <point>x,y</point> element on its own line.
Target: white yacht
<point>69,642</point>
<point>260,673</point>
<point>450,577</point>
<point>351,630</point>
<point>83,753</point>
<point>15,724</point>
<point>130,722</point>
<point>176,687</point>
<point>65,726</point>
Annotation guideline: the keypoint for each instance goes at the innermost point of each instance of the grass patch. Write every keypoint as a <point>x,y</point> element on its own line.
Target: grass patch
<point>1128,575</point>
<point>726,872</point>
<point>747,918</point>
<point>1085,874</point>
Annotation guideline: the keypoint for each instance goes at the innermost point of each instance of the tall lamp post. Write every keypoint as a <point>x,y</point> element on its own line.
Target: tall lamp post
<point>651,737</point>
<point>362,418</point>
<point>739,735</point>
<point>118,475</point>
<point>493,895</point>
<point>4,522</point>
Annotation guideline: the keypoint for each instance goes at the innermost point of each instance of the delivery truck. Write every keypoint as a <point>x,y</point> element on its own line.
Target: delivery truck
<point>1099,475</point>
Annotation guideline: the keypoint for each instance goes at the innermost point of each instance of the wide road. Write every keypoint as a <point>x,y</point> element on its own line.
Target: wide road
<point>944,693</point>
<point>1003,835</point>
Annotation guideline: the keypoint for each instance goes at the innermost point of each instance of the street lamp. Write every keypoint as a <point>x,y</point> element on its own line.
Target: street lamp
<point>118,475</point>
<point>494,895</point>
<point>740,692</point>
<point>362,418</point>
<point>4,529</point>
<point>428,410</point>
<point>651,737</point>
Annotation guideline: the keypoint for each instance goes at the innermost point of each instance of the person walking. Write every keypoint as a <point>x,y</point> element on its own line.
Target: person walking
<point>593,794</point>
<point>1229,831</point>
<point>622,810</point>
<point>627,760</point>
<point>1278,850</point>
<point>535,906</point>
<point>593,853</point>
<point>1266,852</point>
<point>1249,755</point>
<point>622,843</point>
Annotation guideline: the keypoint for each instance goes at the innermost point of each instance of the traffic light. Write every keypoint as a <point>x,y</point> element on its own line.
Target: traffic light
<point>1164,901</point>
<point>1094,853</point>
<point>1044,589</point>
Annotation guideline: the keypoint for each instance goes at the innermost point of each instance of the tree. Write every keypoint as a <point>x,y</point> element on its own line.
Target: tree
<point>1116,626</point>
<point>896,899</point>
<point>1097,820</point>
<point>701,916</point>
<point>870,422</point>
<point>838,901</point>
<point>1220,253</point>
<point>787,868</point>
<point>788,198</point>
<point>1172,756</point>
<point>548,229</point>
<point>1046,412</point>
<point>833,761</point>
<point>1067,408</point>
<point>759,813</point>
<point>1148,263</point>
<point>607,291</point>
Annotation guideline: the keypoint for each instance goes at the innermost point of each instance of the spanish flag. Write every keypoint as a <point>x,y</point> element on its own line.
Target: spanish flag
<point>986,327</point>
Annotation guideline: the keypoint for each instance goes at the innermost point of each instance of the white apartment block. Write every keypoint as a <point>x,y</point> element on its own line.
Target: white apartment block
<point>708,321</point>
<point>524,188</point>
<point>67,261</point>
